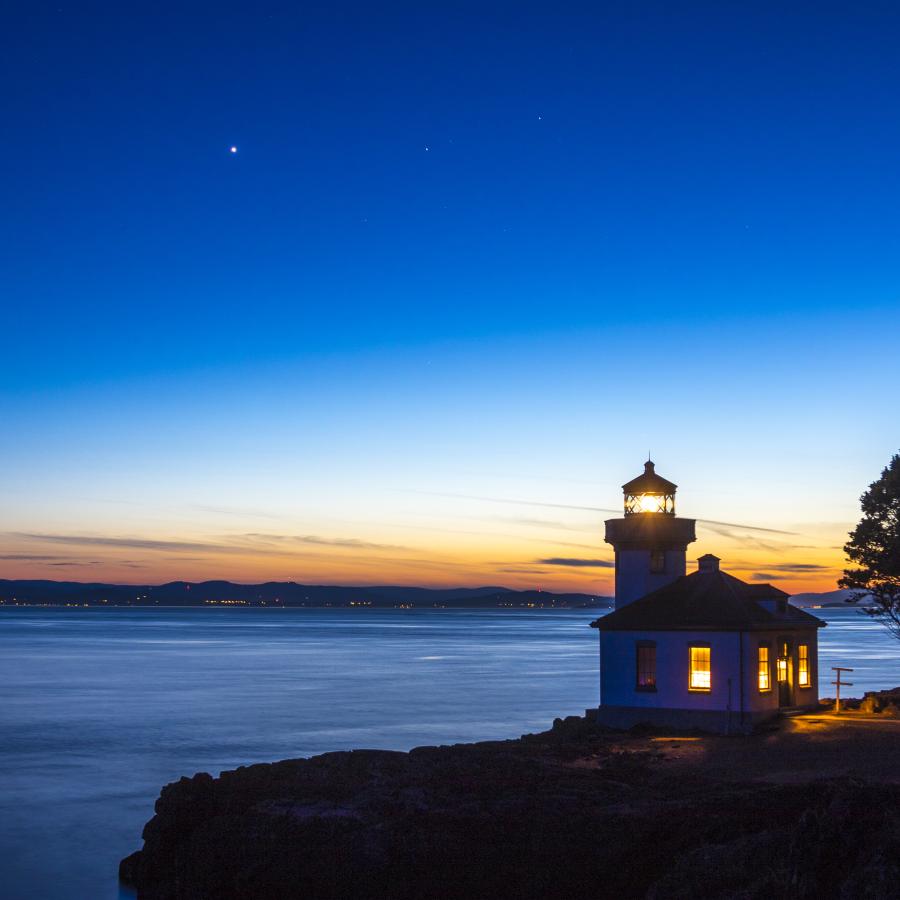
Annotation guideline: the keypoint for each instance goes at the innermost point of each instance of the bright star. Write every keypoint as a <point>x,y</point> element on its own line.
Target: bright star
<point>233,149</point>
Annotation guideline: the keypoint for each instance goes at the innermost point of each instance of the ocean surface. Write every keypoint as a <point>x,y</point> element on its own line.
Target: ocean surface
<point>100,708</point>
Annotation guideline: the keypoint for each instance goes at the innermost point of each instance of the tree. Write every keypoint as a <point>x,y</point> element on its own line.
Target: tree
<point>875,548</point>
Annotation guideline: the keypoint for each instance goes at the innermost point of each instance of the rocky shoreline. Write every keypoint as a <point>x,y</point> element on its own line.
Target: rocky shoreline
<point>811,809</point>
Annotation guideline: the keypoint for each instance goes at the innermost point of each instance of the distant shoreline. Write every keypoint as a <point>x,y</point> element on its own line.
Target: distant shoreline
<point>226,605</point>
<point>283,595</point>
<point>293,595</point>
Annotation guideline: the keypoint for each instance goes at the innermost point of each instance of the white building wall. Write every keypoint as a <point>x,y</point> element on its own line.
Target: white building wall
<point>756,700</point>
<point>808,696</point>
<point>618,670</point>
<point>634,578</point>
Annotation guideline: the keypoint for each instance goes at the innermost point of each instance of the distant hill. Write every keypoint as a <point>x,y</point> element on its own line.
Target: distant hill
<point>828,598</point>
<point>279,593</point>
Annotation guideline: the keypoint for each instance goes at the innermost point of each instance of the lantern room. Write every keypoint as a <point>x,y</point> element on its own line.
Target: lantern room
<point>650,540</point>
<point>649,493</point>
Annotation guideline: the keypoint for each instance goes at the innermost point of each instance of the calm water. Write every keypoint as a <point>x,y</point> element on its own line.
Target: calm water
<point>100,708</point>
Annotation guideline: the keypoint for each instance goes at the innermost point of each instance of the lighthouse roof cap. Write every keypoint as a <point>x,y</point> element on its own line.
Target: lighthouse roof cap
<point>708,599</point>
<point>649,482</point>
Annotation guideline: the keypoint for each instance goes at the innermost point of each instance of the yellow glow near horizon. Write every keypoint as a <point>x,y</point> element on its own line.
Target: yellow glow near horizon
<point>435,546</point>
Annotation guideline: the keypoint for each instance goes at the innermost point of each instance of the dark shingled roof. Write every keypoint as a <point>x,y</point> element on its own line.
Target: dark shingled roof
<point>649,483</point>
<point>708,600</point>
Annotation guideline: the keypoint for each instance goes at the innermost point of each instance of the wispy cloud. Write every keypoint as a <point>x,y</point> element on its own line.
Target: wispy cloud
<point>92,562</point>
<point>244,543</point>
<point>781,571</point>
<point>79,540</point>
<point>317,541</point>
<point>745,527</point>
<point>32,557</point>
<point>576,563</point>
<point>563,544</point>
<point>239,511</point>
<point>552,524</point>
<point>495,534</point>
<point>510,500</point>
<point>744,539</point>
<point>600,509</point>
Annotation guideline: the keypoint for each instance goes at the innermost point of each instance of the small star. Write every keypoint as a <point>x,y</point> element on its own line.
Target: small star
<point>427,149</point>
<point>233,149</point>
<point>540,118</point>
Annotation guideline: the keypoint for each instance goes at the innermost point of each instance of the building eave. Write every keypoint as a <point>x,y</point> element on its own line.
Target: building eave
<point>793,625</point>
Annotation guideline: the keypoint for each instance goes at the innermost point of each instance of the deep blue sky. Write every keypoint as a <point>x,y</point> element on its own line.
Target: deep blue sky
<point>420,184</point>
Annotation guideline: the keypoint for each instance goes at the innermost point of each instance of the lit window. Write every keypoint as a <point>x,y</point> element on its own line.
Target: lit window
<point>657,561</point>
<point>764,683</point>
<point>700,672</point>
<point>782,668</point>
<point>646,667</point>
<point>803,665</point>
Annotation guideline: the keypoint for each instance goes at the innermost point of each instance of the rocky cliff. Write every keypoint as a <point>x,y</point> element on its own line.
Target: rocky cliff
<point>811,811</point>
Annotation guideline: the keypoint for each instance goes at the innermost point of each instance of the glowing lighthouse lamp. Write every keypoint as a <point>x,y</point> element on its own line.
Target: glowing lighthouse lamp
<point>649,493</point>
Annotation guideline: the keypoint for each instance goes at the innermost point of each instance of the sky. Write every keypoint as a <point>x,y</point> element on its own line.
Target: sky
<point>404,293</point>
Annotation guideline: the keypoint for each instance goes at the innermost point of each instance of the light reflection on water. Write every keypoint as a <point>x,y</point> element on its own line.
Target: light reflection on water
<point>103,707</point>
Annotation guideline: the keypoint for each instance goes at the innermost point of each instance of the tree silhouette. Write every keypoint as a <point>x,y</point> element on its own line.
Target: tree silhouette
<point>875,548</point>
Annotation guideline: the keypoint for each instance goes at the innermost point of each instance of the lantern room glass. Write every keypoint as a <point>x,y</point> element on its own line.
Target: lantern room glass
<point>650,503</point>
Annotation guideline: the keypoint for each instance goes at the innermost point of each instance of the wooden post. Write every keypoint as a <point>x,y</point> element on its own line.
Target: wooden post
<point>839,684</point>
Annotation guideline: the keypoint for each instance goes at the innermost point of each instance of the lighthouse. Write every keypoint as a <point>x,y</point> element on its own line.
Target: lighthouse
<point>650,540</point>
<point>704,650</point>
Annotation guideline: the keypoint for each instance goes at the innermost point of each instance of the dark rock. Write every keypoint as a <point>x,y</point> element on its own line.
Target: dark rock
<point>567,813</point>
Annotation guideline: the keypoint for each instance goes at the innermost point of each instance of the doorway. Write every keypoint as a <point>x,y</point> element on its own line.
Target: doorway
<point>783,671</point>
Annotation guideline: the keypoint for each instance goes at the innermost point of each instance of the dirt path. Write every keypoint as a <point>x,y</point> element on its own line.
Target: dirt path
<point>803,748</point>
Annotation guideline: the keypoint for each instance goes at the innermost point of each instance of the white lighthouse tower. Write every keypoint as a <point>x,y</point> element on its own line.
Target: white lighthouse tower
<point>650,541</point>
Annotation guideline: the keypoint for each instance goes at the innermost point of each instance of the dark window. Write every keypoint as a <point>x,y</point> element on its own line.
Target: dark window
<point>646,666</point>
<point>657,561</point>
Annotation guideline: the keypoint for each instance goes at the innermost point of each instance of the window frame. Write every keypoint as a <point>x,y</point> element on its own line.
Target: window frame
<point>702,689</point>
<point>784,662</point>
<point>638,646</point>
<point>767,662</point>
<point>657,562</point>
<point>804,677</point>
